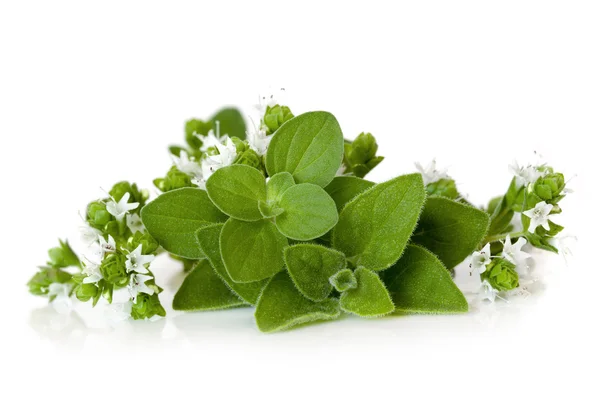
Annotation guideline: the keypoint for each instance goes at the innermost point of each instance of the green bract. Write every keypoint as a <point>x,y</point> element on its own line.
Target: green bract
<point>174,217</point>
<point>374,227</point>
<point>309,146</point>
<point>450,230</point>
<point>251,251</point>
<point>236,190</point>
<point>420,283</point>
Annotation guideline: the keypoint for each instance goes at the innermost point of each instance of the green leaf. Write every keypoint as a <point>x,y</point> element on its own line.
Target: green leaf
<point>236,190</point>
<point>310,266</point>
<point>451,230</point>
<point>309,146</point>
<point>370,298</point>
<point>343,280</point>
<point>231,122</point>
<point>251,251</point>
<point>174,217</point>
<point>208,237</point>
<point>308,213</point>
<point>282,306</point>
<point>277,185</point>
<point>374,227</point>
<point>203,289</point>
<point>342,189</point>
<point>420,283</point>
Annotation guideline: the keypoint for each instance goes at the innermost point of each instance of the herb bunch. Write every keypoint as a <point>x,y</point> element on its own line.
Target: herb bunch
<point>280,217</point>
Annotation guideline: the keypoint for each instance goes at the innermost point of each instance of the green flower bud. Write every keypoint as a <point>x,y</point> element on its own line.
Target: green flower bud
<point>501,274</point>
<point>63,256</point>
<point>97,216</point>
<point>443,187</point>
<point>86,291</point>
<point>175,179</point>
<point>550,187</point>
<point>38,284</point>
<point>275,116</point>
<point>240,145</point>
<point>343,280</point>
<point>250,158</point>
<point>195,127</point>
<point>360,155</point>
<point>149,244</point>
<point>137,196</point>
<point>147,306</point>
<point>113,269</point>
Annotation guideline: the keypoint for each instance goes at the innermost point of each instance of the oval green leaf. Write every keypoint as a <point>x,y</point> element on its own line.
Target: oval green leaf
<point>282,306</point>
<point>310,266</point>
<point>236,190</point>
<point>450,230</point>
<point>251,251</point>
<point>419,283</point>
<point>370,298</point>
<point>342,189</point>
<point>309,146</point>
<point>231,122</point>
<point>174,217</point>
<point>308,212</point>
<point>277,185</point>
<point>374,227</point>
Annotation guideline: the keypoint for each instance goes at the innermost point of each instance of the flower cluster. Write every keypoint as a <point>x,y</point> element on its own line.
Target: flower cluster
<point>117,256</point>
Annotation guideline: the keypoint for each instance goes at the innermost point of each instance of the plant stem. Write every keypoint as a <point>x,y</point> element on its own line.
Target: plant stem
<point>495,238</point>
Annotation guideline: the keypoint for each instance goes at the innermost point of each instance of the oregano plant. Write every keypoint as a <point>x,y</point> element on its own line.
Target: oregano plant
<point>279,216</point>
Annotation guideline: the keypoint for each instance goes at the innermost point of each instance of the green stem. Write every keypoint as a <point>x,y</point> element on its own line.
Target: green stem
<point>500,236</point>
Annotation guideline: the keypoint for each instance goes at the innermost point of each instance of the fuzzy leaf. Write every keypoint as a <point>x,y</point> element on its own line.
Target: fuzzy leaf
<point>310,267</point>
<point>174,217</point>
<point>342,189</point>
<point>343,280</point>
<point>370,298</point>
<point>231,122</point>
<point>374,228</point>
<point>277,185</point>
<point>420,283</point>
<point>309,146</point>
<point>308,213</point>
<point>208,237</point>
<point>251,251</point>
<point>236,190</point>
<point>202,289</point>
<point>282,306</point>
<point>450,230</point>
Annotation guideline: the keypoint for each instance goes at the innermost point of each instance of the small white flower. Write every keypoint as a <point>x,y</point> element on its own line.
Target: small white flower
<point>481,259</point>
<point>134,223</point>
<point>212,138</point>
<point>118,210</point>
<point>60,294</point>
<point>89,235</point>
<point>430,173</point>
<point>137,284</point>
<point>487,292</point>
<point>185,165</point>
<point>514,254</point>
<point>269,99</point>
<point>92,270</point>
<point>226,157</point>
<point>137,262</point>
<point>107,246</point>
<point>563,243</point>
<point>525,174</point>
<point>258,140</point>
<point>539,216</point>
<point>117,312</point>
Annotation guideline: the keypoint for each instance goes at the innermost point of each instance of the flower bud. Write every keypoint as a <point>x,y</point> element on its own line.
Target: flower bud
<point>175,179</point>
<point>360,155</point>
<point>86,291</point>
<point>137,196</point>
<point>501,274</point>
<point>63,256</point>
<point>39,283</point>
<point>147,306</point>
<point>149,244</point>
<point>275,116</point>
<point>193,128</point>
<point>550,187</point>
<point>443,187</point>
<point>97,216</point>
<point>250,158</point>
<point>113,269</point>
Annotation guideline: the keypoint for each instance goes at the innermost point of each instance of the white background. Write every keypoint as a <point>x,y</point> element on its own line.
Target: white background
<point>93,92</point>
